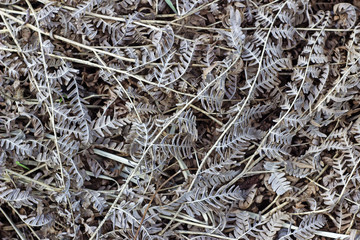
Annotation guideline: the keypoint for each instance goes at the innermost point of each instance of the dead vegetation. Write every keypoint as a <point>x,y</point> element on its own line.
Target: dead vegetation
<point>224,120</point>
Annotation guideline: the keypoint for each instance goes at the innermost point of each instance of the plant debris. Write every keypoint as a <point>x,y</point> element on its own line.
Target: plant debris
<point>179,119</point>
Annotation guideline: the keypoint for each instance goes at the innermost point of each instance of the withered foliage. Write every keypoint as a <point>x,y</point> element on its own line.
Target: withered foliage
<point>224,120</point>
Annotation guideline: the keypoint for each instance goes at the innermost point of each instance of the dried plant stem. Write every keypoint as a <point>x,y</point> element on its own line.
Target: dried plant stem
<point>336,194</point>
<point>121,86</point>
<point>204,234</point>
<point>195,10</point>
<point>207,114</point>
<point>151,200</point>
<point>31,180</point>
<point>34,82</point>
<point>28,226</point>
<point>51,110</point>
<point>186,222</point>
<point>239,111</point>
<point>66,40</point>
<point>250,163</point>
<point>152,143</point>
<point>20,235</point>
<point>137,77</point>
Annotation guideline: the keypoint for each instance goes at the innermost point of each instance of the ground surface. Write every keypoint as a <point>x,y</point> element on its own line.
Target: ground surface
<point>179,119</point>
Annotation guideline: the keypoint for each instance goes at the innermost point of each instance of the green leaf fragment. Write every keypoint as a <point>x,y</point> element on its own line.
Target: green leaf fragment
<point>171,5</point>
<point>22,165</point>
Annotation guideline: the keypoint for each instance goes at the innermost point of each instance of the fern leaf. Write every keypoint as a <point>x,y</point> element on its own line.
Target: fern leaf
<point>103,123</point>
<point>99,202</point>
<point>87,6</point>
<point>251,53</point>
<point>277,179</point>
<point>279,183</point>
<point>180,146</point>
<point>238,140</point>
<point>264,17</point>
<point>242,225</point>
<point>47,12</point>
<point>284,31</point>
<point>199,201</point>
<point>299,167</point>
<point>308,226</point>
<point>330,199</point>
<point>20,146</point>
<point>273,226</point>
<point>235,37</point>
<point>168,72</point>
<point>17,197</point>
<point>343,217</point>
<point>272,150</point>
<point>185,6</point>
<point>39,220</point>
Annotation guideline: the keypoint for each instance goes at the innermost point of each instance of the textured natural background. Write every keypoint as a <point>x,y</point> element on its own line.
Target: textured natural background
<point>179,119</point>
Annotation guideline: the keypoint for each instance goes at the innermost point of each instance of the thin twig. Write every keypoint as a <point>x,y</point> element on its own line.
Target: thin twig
<point>20,235</point>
